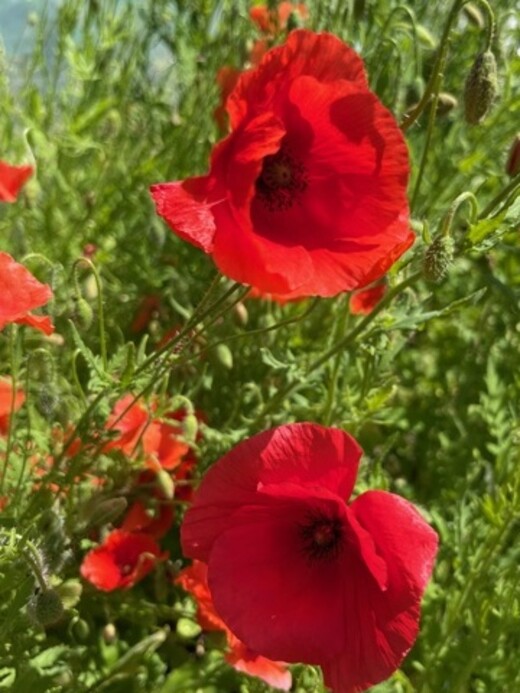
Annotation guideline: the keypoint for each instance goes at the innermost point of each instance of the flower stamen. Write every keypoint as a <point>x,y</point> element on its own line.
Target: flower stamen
<point>282,179</point>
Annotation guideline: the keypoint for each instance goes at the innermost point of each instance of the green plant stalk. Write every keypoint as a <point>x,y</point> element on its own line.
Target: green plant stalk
<point>410,118</point>
<point>512,187</point>
<point>331,393</point>
<point>452,211</point>
<point>344,343</point>
<point>491,24</point>
<point>429,132</point>
<point>13,362</point>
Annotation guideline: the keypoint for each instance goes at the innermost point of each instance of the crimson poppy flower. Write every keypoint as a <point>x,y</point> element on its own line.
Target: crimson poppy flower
<point>272,21</point>
<point>6,403</point>
<point>307,195</point>
<point>12,178</point>
<point>194,580</point>
<point>364,301</point>
<point>298,574</point>
<point>154,520</point>
<point>20,292</point>
<point>121,560</point>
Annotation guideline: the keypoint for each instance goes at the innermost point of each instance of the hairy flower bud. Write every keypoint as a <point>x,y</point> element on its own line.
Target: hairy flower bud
<point>82,314</point>
<point>438,258</point>
<point>481,88</point>
<point>48,607</point>
<point>513,160</point>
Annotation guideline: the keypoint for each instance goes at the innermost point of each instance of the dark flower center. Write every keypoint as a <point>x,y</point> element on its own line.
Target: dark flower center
<point>322,536</point>
<point>282,179</point>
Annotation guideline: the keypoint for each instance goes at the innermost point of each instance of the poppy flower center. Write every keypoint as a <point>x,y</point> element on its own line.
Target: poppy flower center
<point>282,179</point>
<point>322,536</point>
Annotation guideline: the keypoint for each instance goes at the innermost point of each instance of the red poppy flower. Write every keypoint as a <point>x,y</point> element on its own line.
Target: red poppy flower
<point>364,301</point>
<point>6,403</point>
<point>273,21</point>
<point>12,178</point>
<point>20,292</point>
<point>194,580</point>
<point>155,519</point>
<point>296,573</point>
<point>138,430</point>
<point>307,195</point>
<point>121,560</point>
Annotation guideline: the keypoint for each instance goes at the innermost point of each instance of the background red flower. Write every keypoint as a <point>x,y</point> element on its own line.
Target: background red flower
<point>20,292</point>
<point>295,572</point>
<point>307,195</point>
<point>121,560</point>
<point>12,179</point>
<point>6,402</point>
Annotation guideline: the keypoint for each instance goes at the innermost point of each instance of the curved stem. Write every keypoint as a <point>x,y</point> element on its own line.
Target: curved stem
<point>452,211</point>
<point>491,24</point>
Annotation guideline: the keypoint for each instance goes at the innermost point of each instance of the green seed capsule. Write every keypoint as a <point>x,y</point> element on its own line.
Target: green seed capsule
<point>481,88</point>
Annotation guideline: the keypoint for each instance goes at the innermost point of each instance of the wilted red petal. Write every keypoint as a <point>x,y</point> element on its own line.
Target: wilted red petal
<point>301,453</point>
<point>12,179</point>
<point>20,292</point>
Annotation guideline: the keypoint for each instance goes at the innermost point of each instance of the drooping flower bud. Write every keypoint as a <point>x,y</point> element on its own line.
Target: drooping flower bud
<point>513,160</point>
<point>481,88</point>
<point>438,258</point>
<point>447,102</point>
<point>82,313</point>
<point>48,608</point>
<point>474,15</point>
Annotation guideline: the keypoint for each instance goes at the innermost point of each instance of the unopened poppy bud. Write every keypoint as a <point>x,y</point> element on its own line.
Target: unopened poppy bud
<point>165,484</point>
<point>474,15</point>
<point>240,313</point>
<point>48,608</point>
<point>83,315</point>
<point>79,629</point>
<point>438,258</point>
<point>224,356</point>
<point>447,102</point>
<point>481,88</point>
<point>105,511</point>
<point>513,161</point>
<point>190,427</point>
<point>70,592</point>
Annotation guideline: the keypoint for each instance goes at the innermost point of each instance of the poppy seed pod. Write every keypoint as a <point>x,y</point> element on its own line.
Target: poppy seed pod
<point>481,88</point>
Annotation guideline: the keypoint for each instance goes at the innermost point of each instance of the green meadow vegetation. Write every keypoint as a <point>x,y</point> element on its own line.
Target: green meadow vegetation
<point>105,98</point>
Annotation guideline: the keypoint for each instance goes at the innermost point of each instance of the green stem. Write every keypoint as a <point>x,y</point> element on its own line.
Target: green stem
<point>410,118</point>
<point>12,413</point>
<point>452,211</point>
<point>340,346</point>
<point>491,24</point>
<point>429,131</point>
<point>503,195</point>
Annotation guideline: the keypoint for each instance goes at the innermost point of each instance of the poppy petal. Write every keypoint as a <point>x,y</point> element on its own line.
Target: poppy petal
<point>12,179</point>
<point>301,453</point>
<point>261,554</point>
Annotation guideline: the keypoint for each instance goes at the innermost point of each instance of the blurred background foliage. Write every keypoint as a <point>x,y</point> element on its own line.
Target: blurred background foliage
<point>108,97</point>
